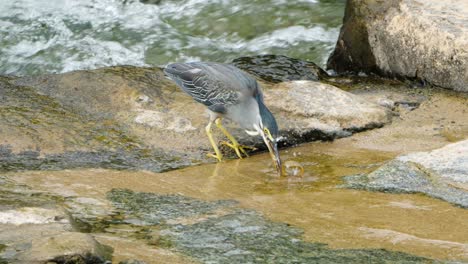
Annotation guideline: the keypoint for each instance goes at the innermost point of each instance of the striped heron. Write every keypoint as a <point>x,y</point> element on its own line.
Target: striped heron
<point>228,93</point>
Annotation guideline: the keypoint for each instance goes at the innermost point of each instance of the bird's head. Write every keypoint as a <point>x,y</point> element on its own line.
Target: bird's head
<point>268,129</point>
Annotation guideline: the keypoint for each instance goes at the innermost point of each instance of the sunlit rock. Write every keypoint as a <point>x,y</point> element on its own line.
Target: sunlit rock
<point>134,118</point>
<point>441,173</point>
<point>421,39</point>
<point>305,106</point>
<point>71,246</point>
<point>28,215</point>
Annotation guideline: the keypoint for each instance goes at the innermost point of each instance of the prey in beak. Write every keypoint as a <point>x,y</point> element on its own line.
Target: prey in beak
<point>273,149</point>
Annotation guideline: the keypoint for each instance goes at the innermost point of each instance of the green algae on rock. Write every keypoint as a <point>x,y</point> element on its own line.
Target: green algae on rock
<point>77,259</point>
<point>13,195</point>
<point>235,235</point>
<point>142,159</point>
<point>157,209</point>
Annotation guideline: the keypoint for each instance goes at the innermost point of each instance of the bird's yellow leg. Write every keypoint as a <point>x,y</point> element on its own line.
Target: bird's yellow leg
<point>234,144</point>
<point>217,154</point>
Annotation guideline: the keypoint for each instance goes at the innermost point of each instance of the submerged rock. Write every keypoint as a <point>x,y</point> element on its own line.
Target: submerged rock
<point>441,173</point>
<point>279,68</point>
<point>221,232</point>
<point>425,40</point>
<point>133,118</point>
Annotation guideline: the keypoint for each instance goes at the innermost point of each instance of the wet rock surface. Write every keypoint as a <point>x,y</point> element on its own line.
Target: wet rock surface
<point>34,228</point>
<point>424,40</point>
<point>133,118</point>
<point>50,122</point>
<point>67,247</point>
<point>161,221</point>
<point>441,173</point>
<point>77,259</point>
<point>216,231</point>
<point>219,232</point>
<point>278,68</point>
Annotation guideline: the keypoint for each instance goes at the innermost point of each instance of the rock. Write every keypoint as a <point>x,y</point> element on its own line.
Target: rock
<point>314,110</point>
<point>134,118</point>
<point>425,40</point>
<point>132,261</point>
<point>222,232</point>
<point>34,228</point>
<point>279,68</point>
<point>78,259</point>
<point>449,162</point>
<point>28,215</point>
<point>71,246</point>
<point>441,173</point>
<point>88,214</point>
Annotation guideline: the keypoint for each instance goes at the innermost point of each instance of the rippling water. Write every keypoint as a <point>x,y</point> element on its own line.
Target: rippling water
<point>41,36</point>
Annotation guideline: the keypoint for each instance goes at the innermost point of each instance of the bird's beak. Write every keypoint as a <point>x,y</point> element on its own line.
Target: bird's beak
<point>273,149</point>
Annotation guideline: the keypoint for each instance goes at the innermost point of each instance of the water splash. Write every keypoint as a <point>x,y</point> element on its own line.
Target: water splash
<point>43,36</point>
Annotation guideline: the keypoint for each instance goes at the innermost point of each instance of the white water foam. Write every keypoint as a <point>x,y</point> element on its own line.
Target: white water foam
<point>38,36</point>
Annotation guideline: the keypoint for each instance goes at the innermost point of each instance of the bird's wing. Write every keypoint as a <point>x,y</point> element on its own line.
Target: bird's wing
<point>207,83</point>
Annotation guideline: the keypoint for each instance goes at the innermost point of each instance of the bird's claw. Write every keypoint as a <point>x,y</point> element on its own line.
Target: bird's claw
<point>238,148</point>
<point>218,157</point>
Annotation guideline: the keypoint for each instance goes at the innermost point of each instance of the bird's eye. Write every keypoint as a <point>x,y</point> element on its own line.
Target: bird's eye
<point>267,132</point>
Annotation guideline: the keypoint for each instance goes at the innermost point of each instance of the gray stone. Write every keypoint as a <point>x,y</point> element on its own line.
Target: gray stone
<point>441,173</point>
<point>304,107</point>
<point>134,118</point>
<point>422,39</point>
<point>449,162</point>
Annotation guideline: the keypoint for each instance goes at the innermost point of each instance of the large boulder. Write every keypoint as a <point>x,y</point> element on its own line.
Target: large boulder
<point>129,117</point>
<point>441,173</point>
<point>309,110</point>
<point>422,39</point>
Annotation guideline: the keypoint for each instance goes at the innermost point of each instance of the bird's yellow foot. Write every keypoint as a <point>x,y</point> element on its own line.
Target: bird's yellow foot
<point>238,148</point>
<point>219,157</point>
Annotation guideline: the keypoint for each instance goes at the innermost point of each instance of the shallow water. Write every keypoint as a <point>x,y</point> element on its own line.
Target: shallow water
<point>341,218</point>
<point>315,202</point>
<point>59,36</point>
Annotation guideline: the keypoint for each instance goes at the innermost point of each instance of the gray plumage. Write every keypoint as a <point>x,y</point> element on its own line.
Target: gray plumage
<point>229,93</point>
<point>225,90</point>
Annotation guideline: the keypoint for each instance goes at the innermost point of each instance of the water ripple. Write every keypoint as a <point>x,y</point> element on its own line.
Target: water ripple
<point>42,36</point>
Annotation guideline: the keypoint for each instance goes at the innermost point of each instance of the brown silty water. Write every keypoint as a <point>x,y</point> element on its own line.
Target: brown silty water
<point>314,202</point>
